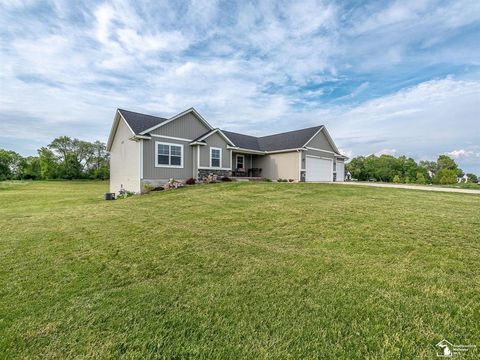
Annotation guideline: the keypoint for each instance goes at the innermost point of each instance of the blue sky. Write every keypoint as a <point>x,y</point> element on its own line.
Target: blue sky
<point>395,77</point>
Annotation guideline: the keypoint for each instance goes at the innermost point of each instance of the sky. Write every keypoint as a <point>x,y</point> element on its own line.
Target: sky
<point>385,77</point>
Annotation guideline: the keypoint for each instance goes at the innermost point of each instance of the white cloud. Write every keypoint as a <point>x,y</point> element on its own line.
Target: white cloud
<point>462,153</point>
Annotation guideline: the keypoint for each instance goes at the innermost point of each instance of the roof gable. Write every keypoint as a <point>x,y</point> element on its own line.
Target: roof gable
<point>287,140</point>
<point>173,118</point>
<point>202,137</point>
<point>316,139</point>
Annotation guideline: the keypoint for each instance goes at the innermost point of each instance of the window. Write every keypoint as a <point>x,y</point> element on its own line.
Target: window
<point>215,157</point>
<point>168,155</point>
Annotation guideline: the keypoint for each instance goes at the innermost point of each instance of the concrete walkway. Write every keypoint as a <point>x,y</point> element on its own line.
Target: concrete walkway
<point>412,187</point>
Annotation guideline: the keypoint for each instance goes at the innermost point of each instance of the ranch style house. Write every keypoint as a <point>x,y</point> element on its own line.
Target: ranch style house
<point>146,149</point>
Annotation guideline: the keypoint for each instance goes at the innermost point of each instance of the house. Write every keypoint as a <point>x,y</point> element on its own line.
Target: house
<point>462,178</point>
<point>146,149</point>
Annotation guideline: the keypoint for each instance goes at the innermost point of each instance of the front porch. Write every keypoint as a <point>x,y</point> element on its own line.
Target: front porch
<point>244,166</point>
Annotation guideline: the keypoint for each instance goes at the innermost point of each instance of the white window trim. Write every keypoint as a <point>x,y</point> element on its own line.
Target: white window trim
<point>169,155</point>
<point>236,161</point>
<point>221,156</point>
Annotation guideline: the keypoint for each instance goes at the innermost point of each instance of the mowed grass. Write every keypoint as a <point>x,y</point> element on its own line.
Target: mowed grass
<point>237,270</point>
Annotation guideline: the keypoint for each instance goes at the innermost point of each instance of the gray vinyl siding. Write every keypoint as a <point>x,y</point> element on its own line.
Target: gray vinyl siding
<point>216,141</point>
<point>315,153</point>
<point>151,172</point>
<point>320,142</point>
<point>187,127</point>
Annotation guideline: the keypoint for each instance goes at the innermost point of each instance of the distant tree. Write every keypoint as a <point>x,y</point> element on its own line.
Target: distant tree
<point>62,146</point>
<point>48,163</point>
<point>31,168</point>
<point>100,162</point>
<point>386,168</point>
<point>428,166</point>
<point>446,162</point>
<point>409,168</point>
<point>420,178</point>
<point>472,178</point>
<point>10,165</point>
<point>70,168</point>
<point>356,168</point>
<point>397,179</point>
<point>446,176</point>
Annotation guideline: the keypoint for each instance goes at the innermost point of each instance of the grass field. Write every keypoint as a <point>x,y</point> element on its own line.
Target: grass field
<point>237,270</point>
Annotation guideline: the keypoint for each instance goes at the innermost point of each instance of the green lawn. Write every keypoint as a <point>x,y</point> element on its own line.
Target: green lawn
<point>237,270</point>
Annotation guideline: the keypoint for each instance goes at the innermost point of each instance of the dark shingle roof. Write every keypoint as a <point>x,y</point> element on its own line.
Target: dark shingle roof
<point>243,141</point>
<point>140,122</point>
<point>287,140</point>
<point>199,137</point>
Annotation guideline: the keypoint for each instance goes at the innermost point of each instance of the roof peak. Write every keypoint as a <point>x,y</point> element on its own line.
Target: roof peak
<point>318,127</point>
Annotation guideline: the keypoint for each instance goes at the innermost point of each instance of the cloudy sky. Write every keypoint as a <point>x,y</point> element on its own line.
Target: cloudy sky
<point>398,77</point>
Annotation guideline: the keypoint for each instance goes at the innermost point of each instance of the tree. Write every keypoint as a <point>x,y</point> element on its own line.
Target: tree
<point>446,162</point>
<point>100,162</point>
<point>472,178</point>
<point>63,146</point>
<point>446,176</point>
<point>356,168</point>
<point>10,165</point>
<point>48,163</point>
<point>420,178</point>
<point>428,165</point>
<point>70,169</point>
<point>397,179</point>
<point>31,168</point>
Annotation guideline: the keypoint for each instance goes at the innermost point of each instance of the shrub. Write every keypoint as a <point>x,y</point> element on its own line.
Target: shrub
<point>191,181</point>
<point>147,188</point>
<point>291,180</point>
<point>173,184</point>
<point>123,194</point>
<point>420,178</point>
<point>267,179</point>
<point>226,178</point>
<point>397,179</point>
<point>282,180</point>
<point>446,176</point>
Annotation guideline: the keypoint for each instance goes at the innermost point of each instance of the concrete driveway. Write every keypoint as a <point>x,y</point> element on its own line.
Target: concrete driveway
<point>412,187</point>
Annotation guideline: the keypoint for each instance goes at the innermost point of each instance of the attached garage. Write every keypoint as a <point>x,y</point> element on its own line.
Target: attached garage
<point>318,169</point>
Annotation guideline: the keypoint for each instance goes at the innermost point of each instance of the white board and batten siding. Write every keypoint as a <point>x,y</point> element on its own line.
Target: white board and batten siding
<point>124,160</point>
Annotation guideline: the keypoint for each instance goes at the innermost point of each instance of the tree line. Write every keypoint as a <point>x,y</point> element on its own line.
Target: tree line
<point>406,170</point>
<point>63,158</point>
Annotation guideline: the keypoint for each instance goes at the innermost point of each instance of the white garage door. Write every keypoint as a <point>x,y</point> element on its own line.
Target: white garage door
<point>319,169</point>
<point>340,171</point>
